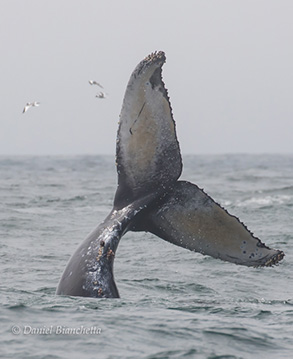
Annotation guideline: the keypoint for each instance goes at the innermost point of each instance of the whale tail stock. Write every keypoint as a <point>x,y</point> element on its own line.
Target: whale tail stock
<point>150,198</point>
<point>89,272</point>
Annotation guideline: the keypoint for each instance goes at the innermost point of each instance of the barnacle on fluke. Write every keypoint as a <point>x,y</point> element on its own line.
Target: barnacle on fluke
<point>275,259</point>
<point>150,197</point>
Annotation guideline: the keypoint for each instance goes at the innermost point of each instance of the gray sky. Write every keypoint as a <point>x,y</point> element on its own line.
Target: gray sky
<point>229,72</point>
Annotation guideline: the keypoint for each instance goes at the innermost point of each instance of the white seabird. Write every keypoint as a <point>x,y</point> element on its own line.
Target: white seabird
<point>101,95</point>
<point>29,105</point>
<point>91,82</point>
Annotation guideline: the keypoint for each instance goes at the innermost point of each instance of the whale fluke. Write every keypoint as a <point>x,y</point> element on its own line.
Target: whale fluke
<point>150,198</point>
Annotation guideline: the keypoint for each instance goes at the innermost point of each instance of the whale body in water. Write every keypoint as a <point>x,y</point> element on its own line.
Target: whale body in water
<point>150,197</point>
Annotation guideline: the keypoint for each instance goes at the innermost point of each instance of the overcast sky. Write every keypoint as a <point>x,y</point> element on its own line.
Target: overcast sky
<point>229,72</point>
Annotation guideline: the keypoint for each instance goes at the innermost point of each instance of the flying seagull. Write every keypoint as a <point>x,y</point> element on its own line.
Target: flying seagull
<point>91,82</point>
<point>101,95</point>
<point>29,105</point>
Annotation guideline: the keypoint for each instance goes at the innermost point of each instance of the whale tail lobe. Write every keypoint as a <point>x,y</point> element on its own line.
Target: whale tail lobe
<point>147,155</point>
<point>191,219</point>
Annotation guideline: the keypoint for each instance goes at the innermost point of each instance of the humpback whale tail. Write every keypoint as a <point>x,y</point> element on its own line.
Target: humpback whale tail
<point>150,197</point>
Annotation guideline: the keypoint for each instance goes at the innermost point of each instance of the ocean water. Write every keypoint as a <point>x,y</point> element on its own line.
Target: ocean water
<point>174,303</point>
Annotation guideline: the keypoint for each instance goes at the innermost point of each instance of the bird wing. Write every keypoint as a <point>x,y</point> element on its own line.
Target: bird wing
<point>26,107</point>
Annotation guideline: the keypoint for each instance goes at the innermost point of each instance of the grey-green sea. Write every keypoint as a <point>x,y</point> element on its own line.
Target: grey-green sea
<point>174,303</point>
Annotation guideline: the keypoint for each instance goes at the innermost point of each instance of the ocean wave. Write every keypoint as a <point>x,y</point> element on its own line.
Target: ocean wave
<point>265,201</point>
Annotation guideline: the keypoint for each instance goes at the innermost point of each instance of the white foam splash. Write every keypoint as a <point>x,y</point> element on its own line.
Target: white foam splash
<point>265,201</point>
